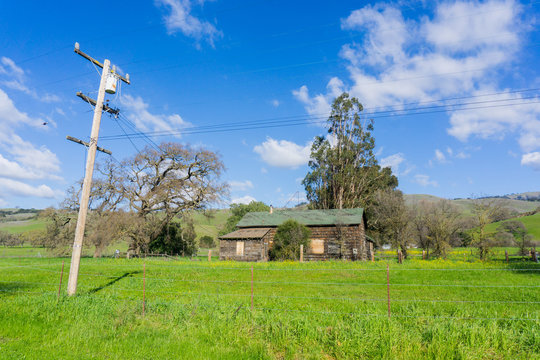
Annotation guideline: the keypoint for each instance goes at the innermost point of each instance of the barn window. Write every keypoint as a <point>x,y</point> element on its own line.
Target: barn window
<point>317,246</point>
<point>240,248</point>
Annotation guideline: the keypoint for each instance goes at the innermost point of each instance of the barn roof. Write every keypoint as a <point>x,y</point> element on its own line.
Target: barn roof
<point>246,234</point>
<point>306,217</point>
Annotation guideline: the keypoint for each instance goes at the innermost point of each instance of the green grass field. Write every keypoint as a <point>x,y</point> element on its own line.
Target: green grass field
<point>532,223</point>
<point>441,309</point>
<point>19,227</point>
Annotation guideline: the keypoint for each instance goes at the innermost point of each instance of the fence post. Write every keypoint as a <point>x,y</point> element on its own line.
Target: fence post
<point>388,286</point>
<point>144,289</point>
<point>251,287</point>
<point>209,255</point>
<point>423,254</point>
<point>506,255</point>
<point>301,252</point>
<point>60,285</point>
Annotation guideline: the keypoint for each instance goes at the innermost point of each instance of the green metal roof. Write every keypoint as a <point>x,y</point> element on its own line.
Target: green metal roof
<point>306,217</point>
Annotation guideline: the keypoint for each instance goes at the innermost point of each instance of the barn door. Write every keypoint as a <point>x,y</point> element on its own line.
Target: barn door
<point>240,248</point>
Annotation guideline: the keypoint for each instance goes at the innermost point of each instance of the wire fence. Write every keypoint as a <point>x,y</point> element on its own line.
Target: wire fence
<point>291,290</point>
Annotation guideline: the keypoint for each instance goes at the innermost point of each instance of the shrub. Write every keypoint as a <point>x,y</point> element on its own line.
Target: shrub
<point>207,241</point>
<point>174,240</point>
<point>289,236</point>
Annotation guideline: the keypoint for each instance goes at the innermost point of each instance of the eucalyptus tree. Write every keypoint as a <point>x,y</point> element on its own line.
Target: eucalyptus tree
<point>344,172</point>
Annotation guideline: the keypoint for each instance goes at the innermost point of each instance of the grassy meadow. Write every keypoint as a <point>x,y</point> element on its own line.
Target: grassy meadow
<point>531,222</point>
<point>441,309</point>
<point>21,226</point>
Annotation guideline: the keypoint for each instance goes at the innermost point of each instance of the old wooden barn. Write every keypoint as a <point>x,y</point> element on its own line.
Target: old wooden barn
<point>335,234</point>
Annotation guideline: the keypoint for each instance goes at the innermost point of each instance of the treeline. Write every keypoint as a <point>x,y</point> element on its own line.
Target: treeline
<point>436,227</point>
<point>9,212</point>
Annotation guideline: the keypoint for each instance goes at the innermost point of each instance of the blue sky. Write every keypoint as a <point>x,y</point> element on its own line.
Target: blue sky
<point>453,88</point>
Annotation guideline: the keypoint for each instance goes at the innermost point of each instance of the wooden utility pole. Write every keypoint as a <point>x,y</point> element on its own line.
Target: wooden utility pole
<point>87,184</point>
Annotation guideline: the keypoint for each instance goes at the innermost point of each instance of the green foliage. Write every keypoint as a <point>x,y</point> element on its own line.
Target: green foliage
<point>289,236</point>
<point>238,211</point>
<point>344,172</point>
<point>7,239</point>
<point>207,241</point>
<point>175,240</point>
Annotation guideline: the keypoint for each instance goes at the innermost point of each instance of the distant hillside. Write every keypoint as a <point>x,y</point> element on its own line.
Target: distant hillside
<point>526,196</point>
<point>532,223</point>
<point>210,225</point>
<point>465,205</point>
<point>21,226</point>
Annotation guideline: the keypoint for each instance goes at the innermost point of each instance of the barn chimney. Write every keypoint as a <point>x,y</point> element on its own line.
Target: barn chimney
<point>271,209</point>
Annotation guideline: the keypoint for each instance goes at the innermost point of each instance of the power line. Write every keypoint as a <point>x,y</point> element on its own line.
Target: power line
<point>146,138</point>
<point>270,123</point>
<point>127,135</point>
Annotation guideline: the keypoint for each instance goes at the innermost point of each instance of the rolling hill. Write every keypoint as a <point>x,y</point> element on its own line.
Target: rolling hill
<point>465,205</point>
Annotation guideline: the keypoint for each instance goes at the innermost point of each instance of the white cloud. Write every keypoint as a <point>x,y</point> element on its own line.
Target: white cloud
<point>496,122</point>
<point>10,116</point>
<point>439,156</point>
<point>398,164</point>
<point>14,187</point>
<point>144,120</point>
<point>275,103</point>
<point>8,66</point>
<point>393,161</point>
<point>462,155</point>
<point>14,78</point>
<point>283,153</point>
<point>243,200</point>
<point>264,171</point>
<point>241,185</point>
<point>12,169</point>
<point>424,180</point>
<point>320,105</point>
<point>452,53</point>
<point>456,21</point>
<point>181,19</point>
<point>531,159</point>
<point>21,160</point>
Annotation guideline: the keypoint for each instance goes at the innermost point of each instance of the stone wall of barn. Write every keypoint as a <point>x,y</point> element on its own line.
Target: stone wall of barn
<point>254,250</point>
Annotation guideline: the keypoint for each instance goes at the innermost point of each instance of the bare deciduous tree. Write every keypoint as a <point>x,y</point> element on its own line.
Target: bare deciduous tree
<point>435,223</point>
<point>485,211</point>
<point>392,218</point>
<point>518,232</point>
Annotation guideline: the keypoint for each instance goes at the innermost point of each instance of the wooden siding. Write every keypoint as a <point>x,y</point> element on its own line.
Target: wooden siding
<point>254,250</point>
<point>352,237</point>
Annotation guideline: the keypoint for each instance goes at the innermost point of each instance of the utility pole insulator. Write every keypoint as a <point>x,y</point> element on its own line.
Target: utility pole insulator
<point>92,102</point>
<point>97,63</point>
